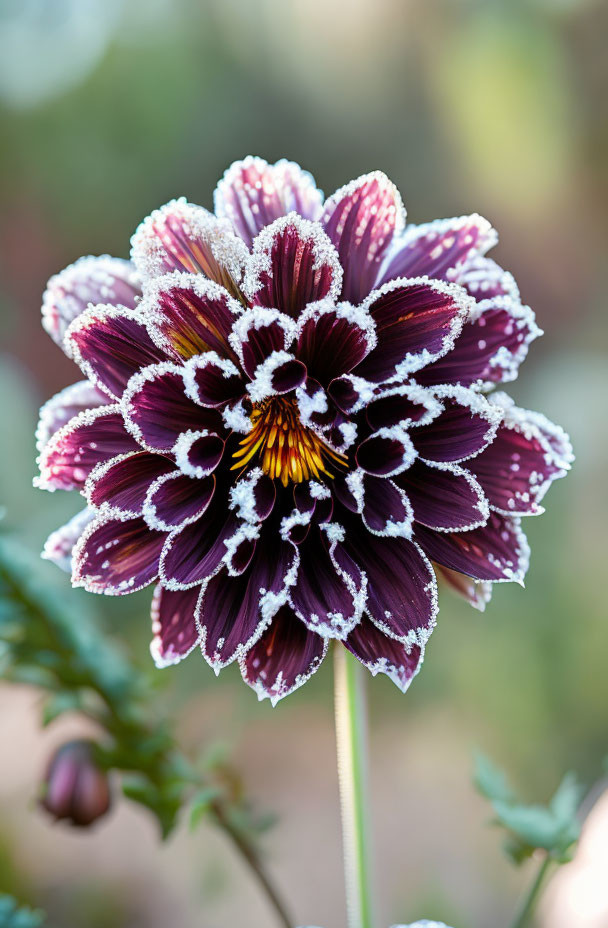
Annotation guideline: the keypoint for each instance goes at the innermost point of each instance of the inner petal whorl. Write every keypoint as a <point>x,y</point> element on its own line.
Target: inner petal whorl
<point>287,450</point>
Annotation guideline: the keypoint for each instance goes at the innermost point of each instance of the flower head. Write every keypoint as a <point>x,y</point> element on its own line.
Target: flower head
<point>75,789</point>
<point>287,424</point>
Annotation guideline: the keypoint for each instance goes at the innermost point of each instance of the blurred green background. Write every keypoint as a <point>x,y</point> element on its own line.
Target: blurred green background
<point>109,108</point>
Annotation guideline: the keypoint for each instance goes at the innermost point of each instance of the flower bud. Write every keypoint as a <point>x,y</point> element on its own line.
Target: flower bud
<point>75,789</point>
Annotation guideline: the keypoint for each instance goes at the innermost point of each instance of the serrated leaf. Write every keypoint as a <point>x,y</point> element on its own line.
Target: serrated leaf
<point>567,798</point>
<point>491,781</point>
<point>538,826</point>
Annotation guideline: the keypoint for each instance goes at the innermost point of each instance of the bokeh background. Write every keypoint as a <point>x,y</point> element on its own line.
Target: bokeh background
<point>111,107</point>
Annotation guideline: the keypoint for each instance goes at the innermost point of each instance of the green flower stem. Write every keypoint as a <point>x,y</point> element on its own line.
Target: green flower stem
<point>523,917</point>
<point>351,740</point>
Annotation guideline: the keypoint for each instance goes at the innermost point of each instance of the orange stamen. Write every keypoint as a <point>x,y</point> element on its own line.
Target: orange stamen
<point>287,449</point>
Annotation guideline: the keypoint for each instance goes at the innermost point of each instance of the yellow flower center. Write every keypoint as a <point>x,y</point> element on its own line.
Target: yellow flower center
<point>287,449</point>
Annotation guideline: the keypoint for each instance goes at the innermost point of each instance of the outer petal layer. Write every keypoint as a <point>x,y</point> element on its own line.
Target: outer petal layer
<point>437,249</point>
<point>116,557</point>
<point>417,321</point>
<point>110,345</point>
<point>59,545</point>
<point>188,315</point>
<point>89,280</point>
<point>173,625</point>
<point>253,193</point>
<point>361,219</point>
<point>184,237</point>
<point>493,343</point>
<point>66,404</point>
<point>402,593</point>
<point>91,437</point>
<point>381,654</point>
<point>284,658</point>
<point>497,551</point>
<point>527,455</point>
<point>293,263</point>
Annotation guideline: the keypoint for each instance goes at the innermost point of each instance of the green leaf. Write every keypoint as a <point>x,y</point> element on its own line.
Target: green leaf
<point>553,827</point>
<point>201,804</point>
<point>534,825</point>
<point>490,780</point>
<point>164,802</point>
<point>567,798</point>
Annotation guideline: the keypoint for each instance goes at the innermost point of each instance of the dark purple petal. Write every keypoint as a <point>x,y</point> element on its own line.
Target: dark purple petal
<point>188,315</point>
<point>445,498</point>
<point>497,551</point>
<point>157,410</point>
<point>466,426</point>
<point>110,345</point>
<point>173,625</point>
<point>89,280</point>
<point>59,545</point>
<point>66,404</point>
<point>234,611</point>
<point>284,658</point>
<point>90,437</point>
<point>253,496</point>
<point>381,654</point>
<point>361,219</point>
<point>120,485</point>
<point>257,333</point>
<point>176,499</point>
<point>484,279</point>
<point>386,509</point>
<point>417,321</point>
<point>404,405</point>
<point>386,452</point>
<point>342,489</point>
<point>401,592</point>
<point>116,557</point>
<point>279,373</point>
<point>241,549</point>
<point>198,453</point>
<point>321,596</point>
<point>332,340</point>
<point>196,551</point>
<point>316,409</point>
<point>493,343</point>
<point>253,193</point>
<point>211,380</point>
<point>437,248</point>
<point>293,263</point>
<point>351,393</point>
<point>183,237</point>
<point>517,469</point>
<point>476,592</point>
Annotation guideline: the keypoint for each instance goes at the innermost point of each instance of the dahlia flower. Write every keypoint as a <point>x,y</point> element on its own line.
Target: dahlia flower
<point>287,424</point>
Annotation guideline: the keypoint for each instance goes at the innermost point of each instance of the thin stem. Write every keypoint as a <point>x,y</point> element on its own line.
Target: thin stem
<point>351,740</point>
<point>252,859</point>
<point>523,916</point>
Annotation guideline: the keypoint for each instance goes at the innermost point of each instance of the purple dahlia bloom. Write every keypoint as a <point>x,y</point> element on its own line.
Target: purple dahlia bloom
<point>287,424</point>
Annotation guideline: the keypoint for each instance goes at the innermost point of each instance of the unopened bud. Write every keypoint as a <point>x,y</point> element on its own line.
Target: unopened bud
<point>75,788</point>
